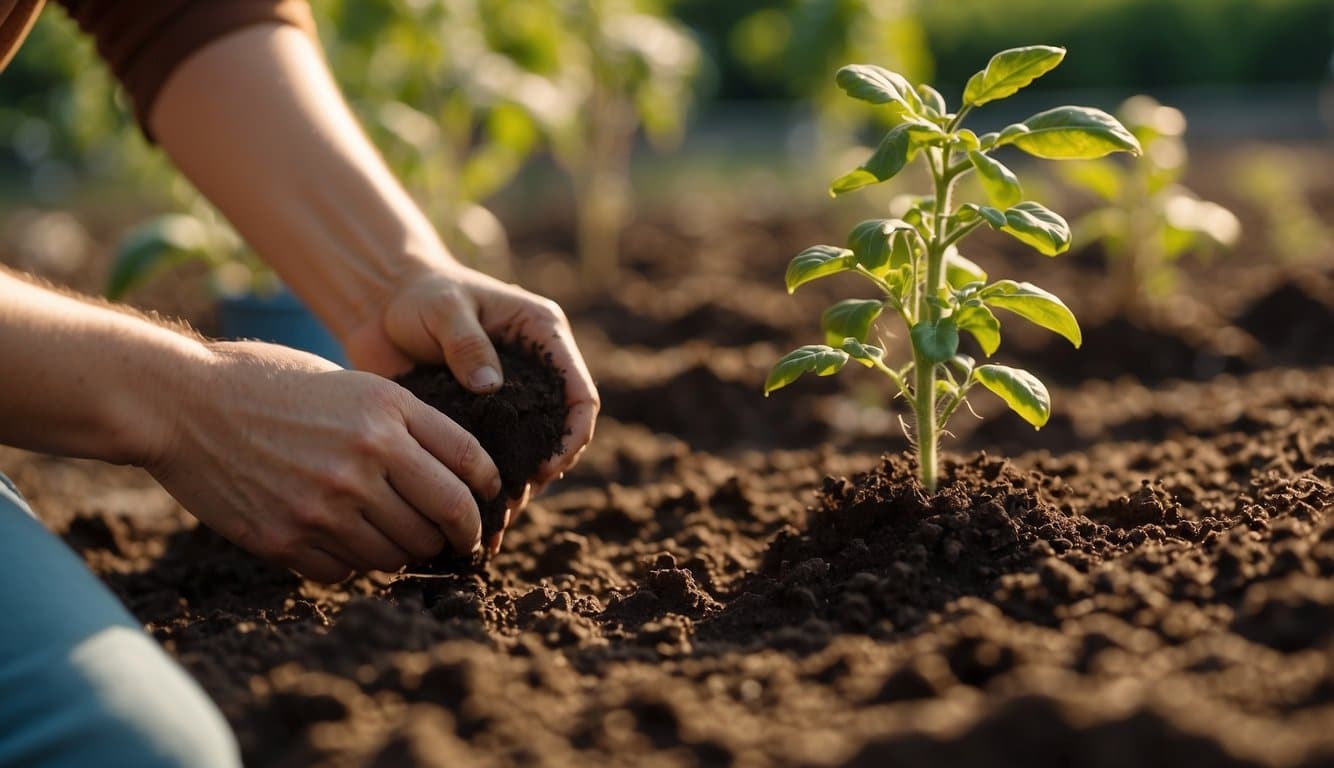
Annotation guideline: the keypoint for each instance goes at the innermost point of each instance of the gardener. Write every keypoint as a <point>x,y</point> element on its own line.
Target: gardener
<point>323,470</point>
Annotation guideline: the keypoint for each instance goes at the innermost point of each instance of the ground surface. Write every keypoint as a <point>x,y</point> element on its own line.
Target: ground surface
<point>728,580</point>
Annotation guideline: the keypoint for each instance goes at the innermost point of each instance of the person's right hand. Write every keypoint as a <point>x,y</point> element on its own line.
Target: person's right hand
<point>322,470</point>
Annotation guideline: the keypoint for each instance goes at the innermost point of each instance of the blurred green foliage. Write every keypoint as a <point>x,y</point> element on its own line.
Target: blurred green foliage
<point>62,122</point>
<point>453,113</point>
<point>459,93</point>
<point>1147,219</point>
<point>1142,44</point>
<point>1274,180</point>
<point>794,44</point>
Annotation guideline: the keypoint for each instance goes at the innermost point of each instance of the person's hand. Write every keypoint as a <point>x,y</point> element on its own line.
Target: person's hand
<point>323,470</point>
<point>451,313</point>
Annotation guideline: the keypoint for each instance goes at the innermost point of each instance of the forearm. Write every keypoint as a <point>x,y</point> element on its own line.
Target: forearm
<point>257,123</point>
<point>81,379</point>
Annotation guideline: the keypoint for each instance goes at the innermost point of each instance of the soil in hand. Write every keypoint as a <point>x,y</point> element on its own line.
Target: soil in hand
<point>520,426</point>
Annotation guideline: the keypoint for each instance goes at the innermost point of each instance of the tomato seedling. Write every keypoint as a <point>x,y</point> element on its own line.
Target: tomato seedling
<point>914,260</point>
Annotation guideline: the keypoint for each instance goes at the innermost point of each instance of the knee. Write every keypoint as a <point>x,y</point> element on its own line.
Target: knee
<point>145,710</point>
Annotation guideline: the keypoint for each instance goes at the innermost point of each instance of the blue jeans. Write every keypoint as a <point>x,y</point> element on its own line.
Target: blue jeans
<point>81,684</point>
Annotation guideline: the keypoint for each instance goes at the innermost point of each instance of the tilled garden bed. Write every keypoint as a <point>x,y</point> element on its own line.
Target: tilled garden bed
<point>727,580</point>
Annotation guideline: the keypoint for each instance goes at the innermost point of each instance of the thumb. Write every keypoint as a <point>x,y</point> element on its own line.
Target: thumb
<point>468,351</point>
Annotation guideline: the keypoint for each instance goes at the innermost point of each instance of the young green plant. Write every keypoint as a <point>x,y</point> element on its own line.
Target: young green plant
<point>914,261</point>
<point>1148,219</point>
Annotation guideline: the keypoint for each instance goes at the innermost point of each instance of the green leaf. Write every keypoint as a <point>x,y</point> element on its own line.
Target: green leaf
<point>993,216</point>
<point>967,139</point>
<point>895,151</point>
<point>1101,177</point>
<point>878,85</point>
<point>873,243</point>
<point>851,181</point>
<point>932,99</point>
<point>899,277</point>
<point>960,271</point>
<point>1009,133</point>
<point>1020,390</point>
<point>1035,305</point>
<point>815,262</point>
<point>890,157</point>
<point>984,326</point>
<point>1010,70</point>
<point>1073,133</point>
<point>153,246</point>
<point>962,364</point>
<point>1035,224</point>
<point>850,318</point>
<point>1186,214</point>
<point>937,341</point>
<point>866,354</point>
<point>1000,183</point>
<point>812,358</point>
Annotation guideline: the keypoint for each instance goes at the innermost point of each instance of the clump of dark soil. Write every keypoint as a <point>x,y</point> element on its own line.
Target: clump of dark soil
<point>520,426</point>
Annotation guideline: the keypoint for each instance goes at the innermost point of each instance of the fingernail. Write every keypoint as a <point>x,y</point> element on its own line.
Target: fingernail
<point>485,377</point>
<point>477,546</point>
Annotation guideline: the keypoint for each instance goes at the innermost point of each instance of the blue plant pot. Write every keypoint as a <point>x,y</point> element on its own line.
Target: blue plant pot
<point>281,319</point>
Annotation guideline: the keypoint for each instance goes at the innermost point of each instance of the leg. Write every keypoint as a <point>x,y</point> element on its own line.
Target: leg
<point>80,682</point>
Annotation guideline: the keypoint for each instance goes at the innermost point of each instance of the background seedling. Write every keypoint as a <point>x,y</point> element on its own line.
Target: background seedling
<point>1149,220</point>
<point>914,260</point>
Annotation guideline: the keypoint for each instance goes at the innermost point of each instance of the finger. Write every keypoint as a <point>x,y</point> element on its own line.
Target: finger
<point>517,503</point>
<point>537,489</point>
<point>402,524</point>
<point>493,544</point>
<point>580,424</point>
<point>358,542</point>
<point>318,565</point>
<point>453,446</point>
<point>438,494</point>
<point>469,352</point>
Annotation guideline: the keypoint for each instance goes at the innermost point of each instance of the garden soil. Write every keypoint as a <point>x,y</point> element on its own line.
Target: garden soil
<point>519,426</point>
<point>729,580</point>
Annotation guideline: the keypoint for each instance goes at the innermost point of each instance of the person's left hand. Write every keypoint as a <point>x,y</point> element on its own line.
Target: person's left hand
<point>452,313</point>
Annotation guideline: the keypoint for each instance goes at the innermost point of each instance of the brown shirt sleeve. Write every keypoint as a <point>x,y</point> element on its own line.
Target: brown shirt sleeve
<point>144,41</point>
<point>16,19</point>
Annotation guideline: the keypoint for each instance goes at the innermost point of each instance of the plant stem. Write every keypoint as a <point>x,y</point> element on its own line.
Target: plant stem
<point>928,432</point>
<point>925,414</point>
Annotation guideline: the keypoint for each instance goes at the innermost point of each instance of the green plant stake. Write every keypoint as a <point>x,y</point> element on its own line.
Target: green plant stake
<point>914,260</point>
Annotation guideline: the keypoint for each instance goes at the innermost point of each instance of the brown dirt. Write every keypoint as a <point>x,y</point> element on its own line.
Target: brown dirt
<point>726,580</point>
<point>519,426</point>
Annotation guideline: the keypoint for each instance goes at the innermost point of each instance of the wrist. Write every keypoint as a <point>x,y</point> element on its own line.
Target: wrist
<point>143,419</point>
